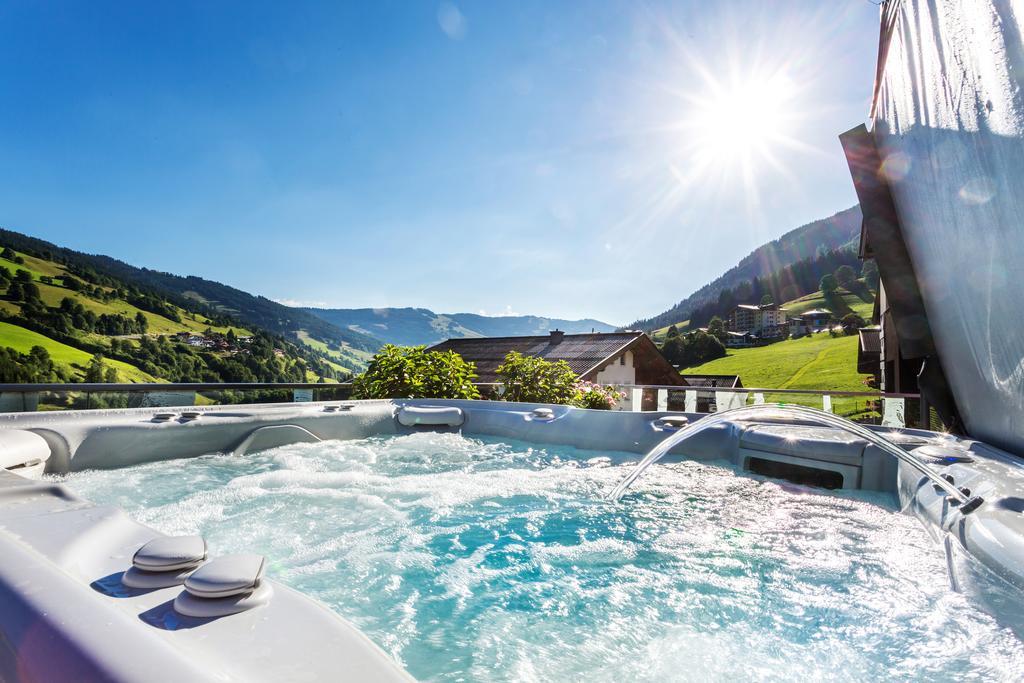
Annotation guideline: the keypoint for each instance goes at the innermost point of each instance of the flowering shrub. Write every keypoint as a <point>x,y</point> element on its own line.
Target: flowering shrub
<point>596,396</point>
<point>534,380</point>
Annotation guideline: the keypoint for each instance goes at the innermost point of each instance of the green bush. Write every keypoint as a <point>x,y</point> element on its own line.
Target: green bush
<point>414,372</point>
<point>693,348</point>
<point>529,379</point>
<point>852,322</point>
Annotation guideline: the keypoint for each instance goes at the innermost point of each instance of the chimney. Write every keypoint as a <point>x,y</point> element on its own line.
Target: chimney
<point>556,337</point>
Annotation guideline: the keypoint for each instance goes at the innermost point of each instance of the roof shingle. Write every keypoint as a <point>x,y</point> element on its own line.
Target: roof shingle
<point>581,351</point>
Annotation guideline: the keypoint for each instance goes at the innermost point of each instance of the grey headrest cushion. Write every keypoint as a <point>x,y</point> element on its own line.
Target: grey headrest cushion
<point>169,553</point>
<point>227,576</point>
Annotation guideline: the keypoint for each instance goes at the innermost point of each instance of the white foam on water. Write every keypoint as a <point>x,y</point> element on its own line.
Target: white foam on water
<point>473,559</point>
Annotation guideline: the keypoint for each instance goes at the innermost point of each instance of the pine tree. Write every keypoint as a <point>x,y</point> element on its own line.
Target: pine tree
<point>94,373</point>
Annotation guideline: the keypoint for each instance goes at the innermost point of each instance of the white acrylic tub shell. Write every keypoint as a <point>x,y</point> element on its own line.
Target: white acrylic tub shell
<point>20,449</point>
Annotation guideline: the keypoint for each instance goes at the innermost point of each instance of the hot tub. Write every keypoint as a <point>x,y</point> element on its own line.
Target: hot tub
<point>450,540</point>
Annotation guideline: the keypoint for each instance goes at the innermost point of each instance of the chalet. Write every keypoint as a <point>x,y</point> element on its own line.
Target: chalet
<point>614,358</point>
<point>738,340</point>
<point>766,321</point>
<point>810,322</point>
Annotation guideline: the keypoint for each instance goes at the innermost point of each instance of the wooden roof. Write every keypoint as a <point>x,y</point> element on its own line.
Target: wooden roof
<point>583,352</point>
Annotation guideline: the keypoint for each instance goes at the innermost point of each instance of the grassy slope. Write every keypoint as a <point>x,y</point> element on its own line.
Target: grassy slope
<point>342,361</point>
<point>36,266</point>
<point>658,335</point>
<point>52,295</point>
<point>817,300</point>
<point>818,361</point>
<point>22,340</point>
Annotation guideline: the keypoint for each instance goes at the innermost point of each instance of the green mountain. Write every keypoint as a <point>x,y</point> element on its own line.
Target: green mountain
<point>347,348</point>
<point>69,316</point>
<point>415,326</point>
<point>799,247</point>
<point>196,292</point>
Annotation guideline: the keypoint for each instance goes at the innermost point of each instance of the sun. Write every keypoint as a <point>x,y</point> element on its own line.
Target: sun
<point>740,123</point>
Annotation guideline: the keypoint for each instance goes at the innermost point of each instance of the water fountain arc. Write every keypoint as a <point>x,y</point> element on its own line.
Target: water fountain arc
<point>966,502</point>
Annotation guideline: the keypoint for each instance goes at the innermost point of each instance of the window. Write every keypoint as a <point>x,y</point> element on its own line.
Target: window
<point>622,359</point>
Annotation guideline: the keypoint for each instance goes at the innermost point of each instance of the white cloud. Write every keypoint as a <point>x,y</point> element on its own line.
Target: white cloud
<point>300,303</point>
<point>451,20</point>
<point>507,313</point>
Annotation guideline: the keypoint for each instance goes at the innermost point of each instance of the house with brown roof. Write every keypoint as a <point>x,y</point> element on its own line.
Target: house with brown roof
<point>810,322</point>
<point>613,358</point>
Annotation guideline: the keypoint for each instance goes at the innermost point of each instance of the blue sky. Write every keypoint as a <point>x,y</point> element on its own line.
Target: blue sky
<point>552,158</point>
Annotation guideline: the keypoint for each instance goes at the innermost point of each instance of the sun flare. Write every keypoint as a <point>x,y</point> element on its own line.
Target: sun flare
<point>741,122</point>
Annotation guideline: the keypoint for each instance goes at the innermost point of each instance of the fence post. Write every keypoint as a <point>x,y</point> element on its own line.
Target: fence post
<point>690,401</point>
<point>893,412</point>
<point>662,399</point>
<point>826,403</point>
<point>727,400</point>
<point>638,399</point>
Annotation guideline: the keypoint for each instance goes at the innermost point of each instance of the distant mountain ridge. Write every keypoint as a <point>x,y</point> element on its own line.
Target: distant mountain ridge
<point>415,326</point>
<point>838,232</point>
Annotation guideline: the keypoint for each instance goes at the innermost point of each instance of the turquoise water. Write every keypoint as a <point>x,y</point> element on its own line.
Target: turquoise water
<point>480,560</point>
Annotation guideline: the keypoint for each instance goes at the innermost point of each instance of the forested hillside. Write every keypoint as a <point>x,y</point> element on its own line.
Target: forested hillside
<point>205,297</point>
<point>62,320</point>
<point>786,284</point>
<point>804,245</point>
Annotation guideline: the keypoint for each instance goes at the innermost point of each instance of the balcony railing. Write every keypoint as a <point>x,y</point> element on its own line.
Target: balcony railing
<point>896,410</point>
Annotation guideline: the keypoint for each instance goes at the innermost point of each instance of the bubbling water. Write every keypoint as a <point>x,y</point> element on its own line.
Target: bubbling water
<point>474,559</point>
